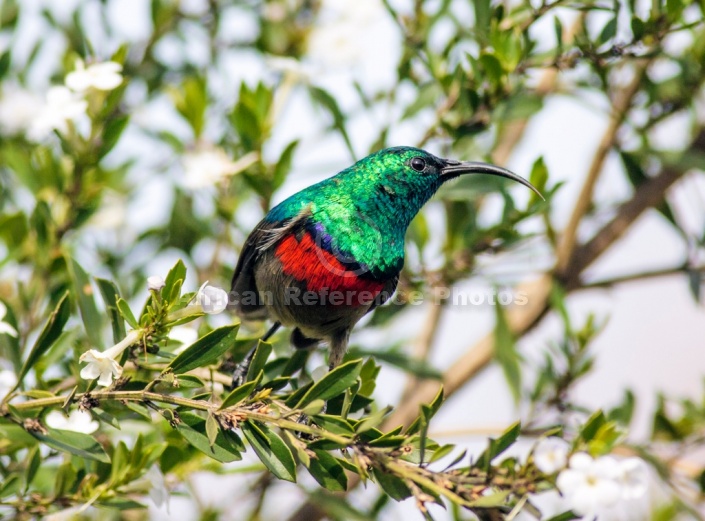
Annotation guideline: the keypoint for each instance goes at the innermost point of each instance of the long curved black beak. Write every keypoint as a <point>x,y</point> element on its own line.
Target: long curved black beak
<point>455,168</point>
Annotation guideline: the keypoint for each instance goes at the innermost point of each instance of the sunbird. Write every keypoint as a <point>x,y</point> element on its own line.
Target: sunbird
<point>323,258</point>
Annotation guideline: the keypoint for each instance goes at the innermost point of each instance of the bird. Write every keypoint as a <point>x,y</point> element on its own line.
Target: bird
<point>331,253</point>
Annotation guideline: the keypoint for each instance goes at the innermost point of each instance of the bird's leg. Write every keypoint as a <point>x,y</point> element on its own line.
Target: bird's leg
<point>240,372</point>
<point>338,347</point>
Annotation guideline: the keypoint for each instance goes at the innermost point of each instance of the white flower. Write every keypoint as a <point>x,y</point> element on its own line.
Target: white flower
<point>347,33</point>
<point>18,108</point>
<point>77,421</point>
<point>155,283</point>
<point>102,364</point>
<point>590,484</point>
<point>551,454</point>
<point>8,381</point>
<point>100,76</point>
<point>211,299</point>
<point>5,328</point>
<point>158,491</point>
<point>634,478</point>
<point>61,106</point>
<point>207,166</point>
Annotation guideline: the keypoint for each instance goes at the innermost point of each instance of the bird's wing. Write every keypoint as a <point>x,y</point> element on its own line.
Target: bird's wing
<point>243,288</point>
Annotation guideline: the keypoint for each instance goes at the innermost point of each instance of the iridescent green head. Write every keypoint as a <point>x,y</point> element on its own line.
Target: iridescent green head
<point>413,166</point>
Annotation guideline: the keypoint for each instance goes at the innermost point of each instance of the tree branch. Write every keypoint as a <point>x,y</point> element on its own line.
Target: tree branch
<point>620,107</point>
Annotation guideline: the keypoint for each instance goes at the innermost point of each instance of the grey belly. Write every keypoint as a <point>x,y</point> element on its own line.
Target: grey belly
<point>288,301</point>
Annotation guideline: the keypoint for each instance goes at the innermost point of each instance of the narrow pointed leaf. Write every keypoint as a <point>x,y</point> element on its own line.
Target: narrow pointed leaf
<point>33,459</point>
<point>82,445</point>
<point>498,446</point>
<point>126,313</point>
<point>193,429</point>
<point>240,393</point>
<point>110,294</point>
<point>271,450</point>
<point>83,289</point>
<point>392,485</point>
<point>259,360</point>
<point>173,282</point>
<point>328,472</point>
<point>506,354</point>
<point>211,429</point>
<point>332,384</point>
<point>51,332</point>
<point>205,350</point>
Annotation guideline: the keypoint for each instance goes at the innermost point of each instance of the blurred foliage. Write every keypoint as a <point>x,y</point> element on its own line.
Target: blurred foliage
<point>91,207</point>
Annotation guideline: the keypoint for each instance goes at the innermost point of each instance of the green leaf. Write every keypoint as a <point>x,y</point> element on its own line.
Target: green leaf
<point>77,443</point>
<point>332,384</point>
<point>240,393</point>
<point>334,424</point>
<point>638,28</point>
<point>111,134</point>
<point>10,485</point>
<point>565,516</point>
<point>325,100</point>
<point>65,479</point>
<point>193,429</point>
<point>259,360</point>
<point>623,413</point>
<point>173,282</point>
<point>434,406</point>
<point>284,164</point>
<point>608,31</point>
<point>498,446</point>
<point>271,450</point>
<point>392,485</point>
<point>212,429</point>
<point>558,29</point>
<point>126,313</point>
<point>506,354</point>
<point>110,294</point>
<point>121,503</point>
<point>328,472</point>
<point>83,289</point>
<point>538,178</point>
<point>5,59</point>
<point>205,350</point>
<point>51,332</point>
<point>483,14</point>
<point>372,421</point>
<point>191,102</point>
<point>592,425</point>
<point>33,459</point>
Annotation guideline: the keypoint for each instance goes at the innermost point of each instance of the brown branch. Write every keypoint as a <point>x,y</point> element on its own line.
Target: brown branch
<point>633,277</point>
<point>620,107</point>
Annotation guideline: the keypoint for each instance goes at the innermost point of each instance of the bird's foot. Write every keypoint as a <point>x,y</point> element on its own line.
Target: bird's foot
<point>305,419</point>
<point>241,370</point>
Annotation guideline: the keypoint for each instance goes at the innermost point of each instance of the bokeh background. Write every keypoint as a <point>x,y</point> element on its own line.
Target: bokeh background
<point>233,106</point>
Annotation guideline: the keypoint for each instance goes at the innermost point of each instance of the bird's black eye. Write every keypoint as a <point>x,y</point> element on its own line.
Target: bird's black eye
<point>418,164</point>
